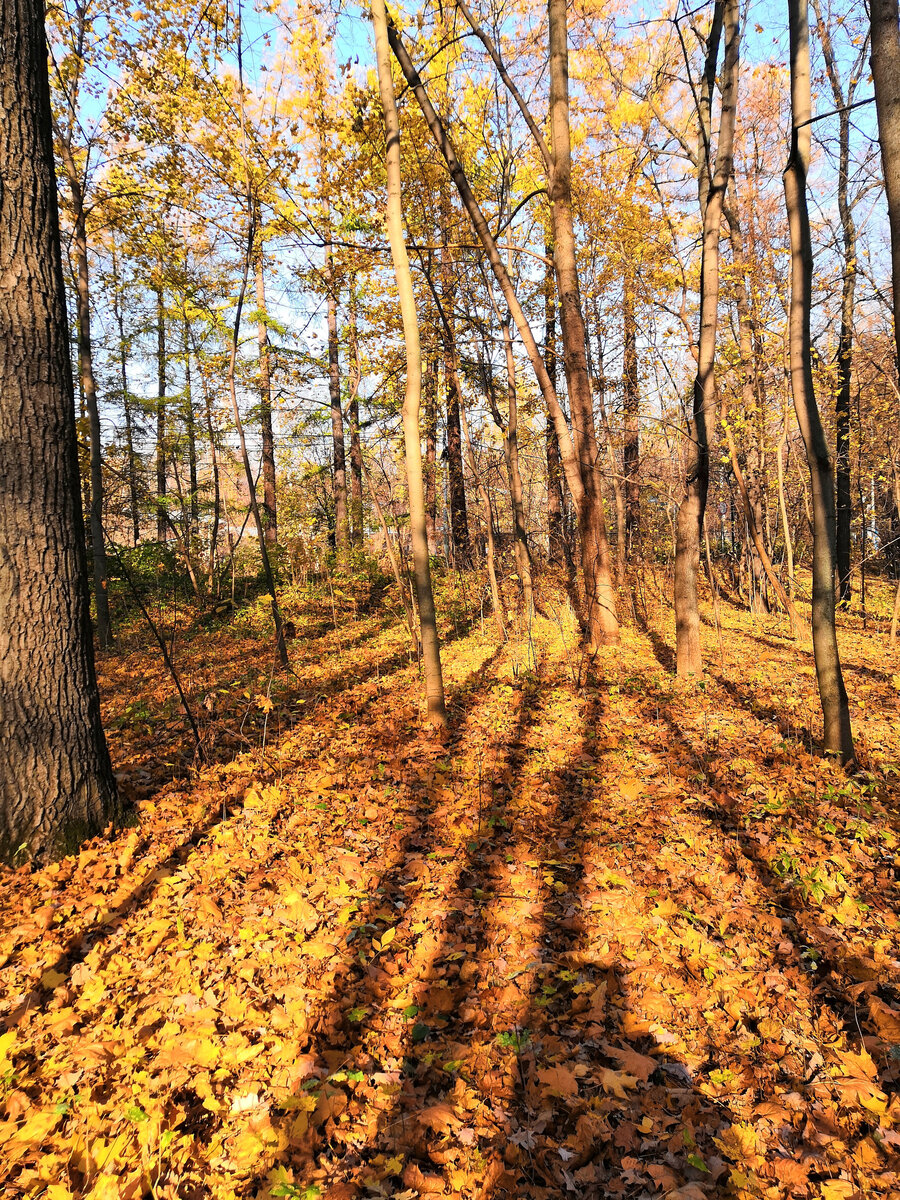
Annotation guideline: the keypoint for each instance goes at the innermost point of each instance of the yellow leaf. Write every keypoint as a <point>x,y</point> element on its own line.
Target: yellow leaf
<point>615,1082</point>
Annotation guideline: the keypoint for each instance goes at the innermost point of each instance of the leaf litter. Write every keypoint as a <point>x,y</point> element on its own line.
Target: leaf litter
<point>617,937</point>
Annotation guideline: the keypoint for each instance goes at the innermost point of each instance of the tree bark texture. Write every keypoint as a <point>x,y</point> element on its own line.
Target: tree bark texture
<point>56,781</point>
<point>357,519</point>
<point>339,454</point>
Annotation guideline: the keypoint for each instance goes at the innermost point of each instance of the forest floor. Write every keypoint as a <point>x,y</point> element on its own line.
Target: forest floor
<point>616,937</point>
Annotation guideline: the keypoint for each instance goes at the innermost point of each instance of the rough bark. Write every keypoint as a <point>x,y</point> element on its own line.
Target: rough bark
<point>712,181</point>
<point>270,501</point>
<point>431,658</point>
<point>56,781</point>
<point>838,737</point>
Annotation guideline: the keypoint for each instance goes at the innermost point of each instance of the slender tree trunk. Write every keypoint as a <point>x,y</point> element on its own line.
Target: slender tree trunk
<point>556,529</point>
<point>516,494</point>
<point>89,391</point>
<point>56,781</point>
<point>885,16</point>
<point>192,436</point>
<point>618,490</point>
<point>161,525</point>
<point>126,400</point>
<point>339,459</point>
<point>782,508</point>
<point>430,396</point>
<point>833,694</point>
<point>214,463</point>
<point>357,522</point>
<point>270,502</point>
<point>570,461</point>
<point>398,574</point>
<point>712,185</point>
<point>631,413</point>
<point>431,658</point>
<point>245,457</point>
<point>484,494</point>
<point>600,600</point>
<point>459,519</point>
<point>842,407</point>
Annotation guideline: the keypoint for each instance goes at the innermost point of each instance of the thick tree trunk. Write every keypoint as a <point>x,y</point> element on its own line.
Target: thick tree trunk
<point>712,185</point>
<point>886,78</point>
<point>56,781</point>
<point>161,524</point>
<point>835,708</point>
<point>631,450</point>
<point>270,502</point>
<point>599,594</point>
<point>431,658</point>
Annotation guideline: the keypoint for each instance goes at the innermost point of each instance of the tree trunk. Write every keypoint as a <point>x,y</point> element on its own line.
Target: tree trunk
<point>712,185</point>
<point>161,526</point>
<point>339,459</point>
<point>430,395</point>
<point>886,78</point>
<point>357,522</point>
<point>431,658</point>
<point>631,414</point>
<point>782,508</point>
<point>192,437</point>
<point>496,597</point>
<point>270,502</point>
<point>842,406</point>
<point>516,495</point>
<point>556,529</point>
<point>835,708</point>
<point>599,594</point>
<point>56,781</point>
<point>126,400</point>
<point>214,462</point>
<point>459,519</point>
<point>89,391</point>
<point>571,465</point>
